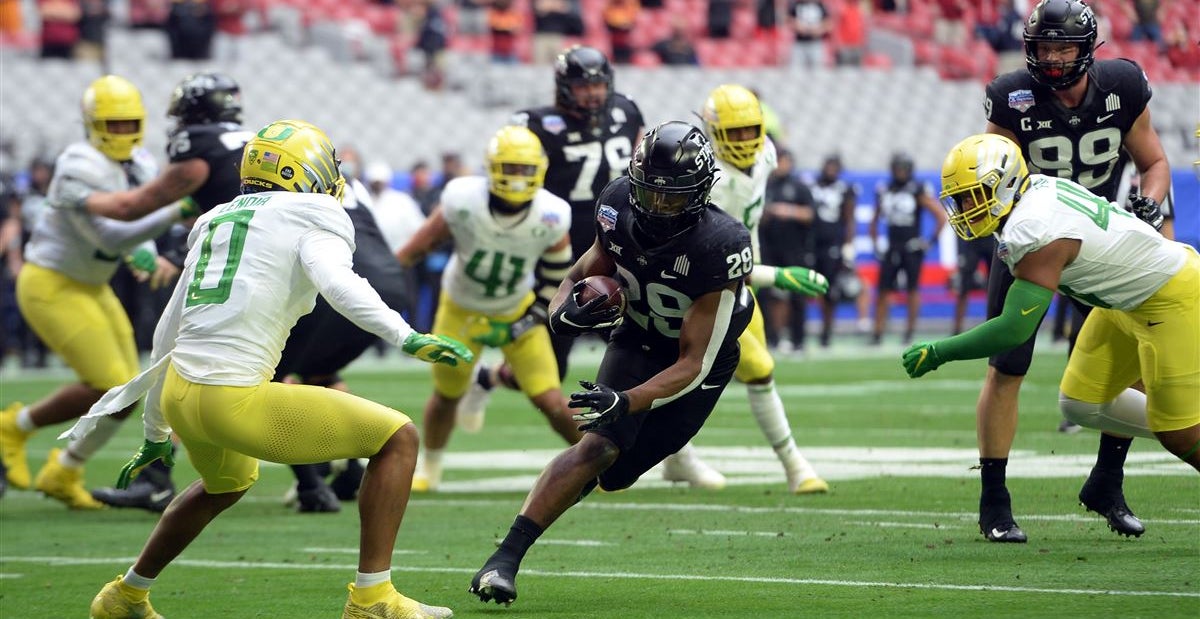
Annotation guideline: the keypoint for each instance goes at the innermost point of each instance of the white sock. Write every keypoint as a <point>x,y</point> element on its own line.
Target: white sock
<point>24,421</point>
<point>432,465</point>
<point>84,447</point>
<point>133,579</point>
<point>768,411</point>
<point>372,579</point>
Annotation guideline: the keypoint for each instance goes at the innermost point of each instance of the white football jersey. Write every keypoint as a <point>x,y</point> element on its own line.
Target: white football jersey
<point>743,195</point>
<point>491,269</point>
<point>86,247</point>
<point>254,267</point>
<point>1121,261</point>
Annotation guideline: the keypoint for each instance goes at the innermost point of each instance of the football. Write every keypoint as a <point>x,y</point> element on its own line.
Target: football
<point>602,286</point>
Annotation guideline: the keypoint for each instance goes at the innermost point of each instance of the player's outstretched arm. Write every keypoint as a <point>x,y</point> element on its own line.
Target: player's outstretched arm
<point>432,233</point>
<point>178,181</point>
<point>792,279</point>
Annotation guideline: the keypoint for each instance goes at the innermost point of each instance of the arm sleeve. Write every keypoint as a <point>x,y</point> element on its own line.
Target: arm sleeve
<point>550,271</point>
<point>116,237</point>
<point>1024,307</point>
<point>327,259</point>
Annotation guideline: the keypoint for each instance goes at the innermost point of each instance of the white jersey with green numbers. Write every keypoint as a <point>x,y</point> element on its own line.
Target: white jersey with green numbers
<point>492,268</point>
<point>255,266</point>
<point>743,194</point>
<point>84,247</point>
<point>1121,261</point>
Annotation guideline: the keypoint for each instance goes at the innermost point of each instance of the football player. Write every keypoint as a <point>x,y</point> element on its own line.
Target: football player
<point>898,204</point>
<point>733,121</point>
<point>204,147</point>
<point>63,288</point>
<point>833,234</point>
<point>682,264</point>
<point>1084,120</point>
<point>511,249</point>
<point>254,266</point>
<point>588,134</point>
<point>1144,291</point>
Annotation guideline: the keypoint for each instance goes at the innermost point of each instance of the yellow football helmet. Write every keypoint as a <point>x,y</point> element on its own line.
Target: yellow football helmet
<point>981,178</point>
<point>113,116</point>
<point>516,164</point>
<point>291,155</point>
<point>731,107</point>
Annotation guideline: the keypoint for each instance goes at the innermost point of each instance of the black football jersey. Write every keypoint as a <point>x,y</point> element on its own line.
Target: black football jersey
<point>661,282</point>
<point>221,146</point>
<point>582,160</point>
<point>1082,143</point>
<point>828,226</point>
<point>900,209</point>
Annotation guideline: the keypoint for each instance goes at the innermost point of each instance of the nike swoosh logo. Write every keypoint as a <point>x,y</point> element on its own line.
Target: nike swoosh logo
<point>1151,323</point>
<point>160,495</point>
<point>666,275</point>
<point>998,534</point>
<point>708,386</point>
<point>1101,119</point>
<point>924,353</point>
<point>1026,312</point>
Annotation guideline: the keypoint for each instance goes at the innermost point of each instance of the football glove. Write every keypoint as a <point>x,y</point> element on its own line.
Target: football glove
<point>921,359</point>
<point>437,349</point>
<point>142,261</point>
<point>1148,210</point>
<point>801,280</point>
<point>573,319</point>
<point>146,454</point>
<point>188,208</point>
<point>605,405</point>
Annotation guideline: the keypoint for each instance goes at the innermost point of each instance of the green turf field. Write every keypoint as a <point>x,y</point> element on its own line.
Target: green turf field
<point>896,537</point>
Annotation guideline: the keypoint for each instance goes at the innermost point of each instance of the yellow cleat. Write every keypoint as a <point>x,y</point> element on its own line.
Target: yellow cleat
<point>12,447</point>
<point>811,485</point>
<point>65,484</point>
<point>382,601</point>
<point>118,600</point>
<point>421,483</point>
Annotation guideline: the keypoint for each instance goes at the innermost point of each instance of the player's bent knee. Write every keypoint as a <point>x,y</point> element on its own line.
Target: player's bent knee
<point>1124,415</point>
<point>405,441</point>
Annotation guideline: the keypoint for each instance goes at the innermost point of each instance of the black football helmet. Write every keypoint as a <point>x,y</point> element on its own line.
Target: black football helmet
<point>206,98</point>
<point>582,65</point>
<point>902,166</point>
<point>671,173</point>
<point>1060,21</point>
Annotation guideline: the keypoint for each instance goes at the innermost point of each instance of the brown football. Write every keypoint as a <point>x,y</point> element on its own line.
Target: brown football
<point>602,286</point>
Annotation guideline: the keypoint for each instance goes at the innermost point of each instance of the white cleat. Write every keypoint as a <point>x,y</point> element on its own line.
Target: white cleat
<point>687,467</point>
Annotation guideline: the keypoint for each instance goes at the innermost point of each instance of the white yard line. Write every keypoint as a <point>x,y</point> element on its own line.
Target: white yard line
<point>270,565</point>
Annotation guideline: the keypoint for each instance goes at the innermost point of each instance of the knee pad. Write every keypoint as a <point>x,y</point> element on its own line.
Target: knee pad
<point>1126,414</point>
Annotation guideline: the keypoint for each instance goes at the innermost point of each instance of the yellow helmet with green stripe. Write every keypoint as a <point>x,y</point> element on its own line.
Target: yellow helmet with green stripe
<point>291,155</point>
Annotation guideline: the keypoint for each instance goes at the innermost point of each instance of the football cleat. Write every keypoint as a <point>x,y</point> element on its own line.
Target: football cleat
<point>801,477</point>
<point>421,483</point>
<point>809,485</point>
<point>382,601</point>
<point>12,447</point>
<point>151,490</point>
<point>685,466</point>
<point>1110,503</point>
<point>1007,533</point>
<point>65,484</point>
<point>346,480</point>
<point>996,522</point>
<point>120,601</point>
<point>318,500</point>
<point>494,582</point>
<point>473,405</point>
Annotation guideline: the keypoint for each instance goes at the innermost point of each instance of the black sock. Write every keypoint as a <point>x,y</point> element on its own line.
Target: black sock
<point>307,476</point>
<point>1110,457</point>
<point>484,377</point>
<point>521,535</point>
<point>992,475</point>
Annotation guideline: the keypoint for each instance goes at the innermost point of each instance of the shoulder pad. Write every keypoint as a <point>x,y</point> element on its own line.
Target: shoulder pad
<point>85,164</point>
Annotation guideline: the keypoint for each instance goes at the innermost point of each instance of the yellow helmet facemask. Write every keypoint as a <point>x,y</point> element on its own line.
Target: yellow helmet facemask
<point>291,155</point>
<point>516,164</point>
<point>113,116</point>
<point>981,178</point>
<point>731,108</point>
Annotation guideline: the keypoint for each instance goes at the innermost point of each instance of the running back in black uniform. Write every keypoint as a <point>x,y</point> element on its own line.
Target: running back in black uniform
<point>1082,144</point>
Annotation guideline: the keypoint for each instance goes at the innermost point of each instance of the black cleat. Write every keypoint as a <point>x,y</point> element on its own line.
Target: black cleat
<point>1006,533</point>
<point>1111,504</point>
<point>495,582</point>
<point>996,519</point>
<point>142,493</point>
<point>318,500</point>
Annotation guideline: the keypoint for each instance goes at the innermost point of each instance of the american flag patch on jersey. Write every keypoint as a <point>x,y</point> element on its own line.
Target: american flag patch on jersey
<point>607,216</point>
<point>1020,100</point>
<point>1002,251</point>
<point>550,220</point>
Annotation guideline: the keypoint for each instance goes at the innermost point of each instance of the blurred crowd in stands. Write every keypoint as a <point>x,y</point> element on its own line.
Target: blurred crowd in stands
<point>962,39</point>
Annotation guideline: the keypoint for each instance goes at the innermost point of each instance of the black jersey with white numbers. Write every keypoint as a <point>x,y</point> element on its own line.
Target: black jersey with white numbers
<point>662,281</point>
<point>1082,143</point>
<point>583,160</point>
<point>900,209</point>
<point>220,145</point>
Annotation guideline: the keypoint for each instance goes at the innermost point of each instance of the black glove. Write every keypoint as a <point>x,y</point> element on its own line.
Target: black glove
<point>605,405</point>
<point>1148,210</point>
<point>572,319</point>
